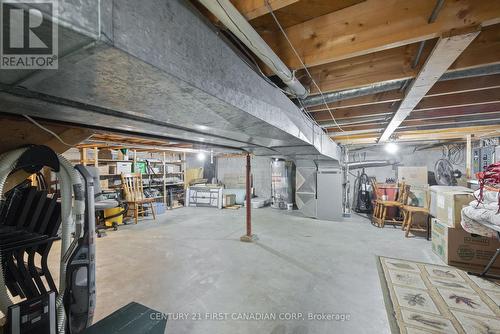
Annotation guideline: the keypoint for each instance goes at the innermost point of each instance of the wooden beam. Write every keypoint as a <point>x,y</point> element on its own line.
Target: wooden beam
<point>435,115</point>
<point>384,97</point>
<point>472,84</point>
<point>420,135</point>
<point>387,65</point>
<point>475,102</point>
<point>441,88</point>
<point>396,64</point>
<point>445,52</point>
<point>468,157</point>
<point>288,12</point>
<point>476,109</point>
<point>252,9</point>
<point>19,132</point>
<point>486,96</point>
<point>435,125</point>
<point>377,25</point>
<point>455,119</point>
<point>346,113</point>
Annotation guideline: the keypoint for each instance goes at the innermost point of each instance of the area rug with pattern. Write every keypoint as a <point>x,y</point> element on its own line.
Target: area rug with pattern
<point>428,298</point>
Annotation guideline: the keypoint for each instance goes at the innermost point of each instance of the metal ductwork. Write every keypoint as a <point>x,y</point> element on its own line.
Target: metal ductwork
<point>160,71</point>
<point>393,85</point>
<point>238,25</point>
<point>354,92</point>
<point>371,163</point>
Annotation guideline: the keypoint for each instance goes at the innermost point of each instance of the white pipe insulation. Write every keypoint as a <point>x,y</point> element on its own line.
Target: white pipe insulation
<point>238,25</point>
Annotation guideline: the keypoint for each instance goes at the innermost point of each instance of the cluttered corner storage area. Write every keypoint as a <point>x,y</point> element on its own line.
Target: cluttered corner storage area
<point>458,215</point>
<point>145,182</point>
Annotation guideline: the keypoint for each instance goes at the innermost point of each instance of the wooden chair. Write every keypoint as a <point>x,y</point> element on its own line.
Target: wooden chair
<point>409,213</point>
<point>381,206</point>
<point>134,196</point>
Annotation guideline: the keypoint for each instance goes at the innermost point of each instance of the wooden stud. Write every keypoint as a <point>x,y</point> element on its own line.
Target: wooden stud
<point>377,25</point>
<point>468,157</point>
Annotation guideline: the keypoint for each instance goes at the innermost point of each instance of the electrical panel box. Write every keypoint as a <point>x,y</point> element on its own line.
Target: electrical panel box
<point>483,157</point>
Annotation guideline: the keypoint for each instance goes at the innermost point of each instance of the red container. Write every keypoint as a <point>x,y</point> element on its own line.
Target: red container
<point>390,190</point>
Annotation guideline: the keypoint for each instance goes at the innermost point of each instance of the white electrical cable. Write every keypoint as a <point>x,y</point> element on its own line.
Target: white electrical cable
<point>7,164</point>
<point>47,130</point>
<point>271,11</point>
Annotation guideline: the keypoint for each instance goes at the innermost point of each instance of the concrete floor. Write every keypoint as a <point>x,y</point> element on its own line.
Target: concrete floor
<point>191,260</point>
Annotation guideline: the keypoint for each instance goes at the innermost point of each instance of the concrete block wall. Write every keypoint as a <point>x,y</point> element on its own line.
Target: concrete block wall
<point>407,156</point>
<point>231,172</point>
<point>192,161</point>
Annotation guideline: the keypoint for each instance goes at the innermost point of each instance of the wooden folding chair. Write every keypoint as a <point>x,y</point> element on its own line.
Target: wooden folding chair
<point>134,196</point>
<point>381,206</point>
<point>409,213</point>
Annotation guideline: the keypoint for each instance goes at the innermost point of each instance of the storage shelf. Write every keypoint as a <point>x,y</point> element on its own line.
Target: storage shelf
<point>175,184</point>
<point>112,160</point>
<point>169,190</point>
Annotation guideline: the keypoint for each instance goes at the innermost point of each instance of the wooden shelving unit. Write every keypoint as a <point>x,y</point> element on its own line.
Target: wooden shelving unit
<point>166,171</point>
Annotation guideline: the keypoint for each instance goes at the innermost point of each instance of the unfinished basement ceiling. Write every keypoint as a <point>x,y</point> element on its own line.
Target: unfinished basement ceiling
<point>364,55</point>
<point>160,71</point>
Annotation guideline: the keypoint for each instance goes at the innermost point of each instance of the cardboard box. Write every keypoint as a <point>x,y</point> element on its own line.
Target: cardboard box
<point>103,170</point>
<point>229,200</point>
<point>415,176</point>
<point>107,154</point>
<point>437,190</point>
<point>448,206</point>
<point>123,167</point>
<point>459,248</point>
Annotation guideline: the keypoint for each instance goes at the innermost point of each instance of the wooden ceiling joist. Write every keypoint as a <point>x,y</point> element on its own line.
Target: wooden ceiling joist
<point>253,9</point>
<point>445,52</point>
<point>377,25</point>
<point>441,88</point>
<point>288,12</point>
<point>364,117</point>
<point>436,122</point>
<point>349,44</point>
<point>419,135</point>
<point>396,64</point>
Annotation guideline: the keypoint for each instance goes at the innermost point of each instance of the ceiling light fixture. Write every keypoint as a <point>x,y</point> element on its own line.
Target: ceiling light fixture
<point>391,148</point>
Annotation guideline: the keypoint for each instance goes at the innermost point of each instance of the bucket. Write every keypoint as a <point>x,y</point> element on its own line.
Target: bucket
<point>116,220</point>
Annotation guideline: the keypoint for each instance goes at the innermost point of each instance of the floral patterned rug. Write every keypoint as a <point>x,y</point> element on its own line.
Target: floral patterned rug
<point>427,298</point>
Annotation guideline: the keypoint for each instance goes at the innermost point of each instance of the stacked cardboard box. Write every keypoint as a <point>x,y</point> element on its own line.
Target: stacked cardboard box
<point>447,203</point>
<point>450,241</point>
<point>457,247</point>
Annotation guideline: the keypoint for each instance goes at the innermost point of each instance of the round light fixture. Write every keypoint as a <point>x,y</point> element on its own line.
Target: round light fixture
<point>391,148</point>
<point>201,156</point>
